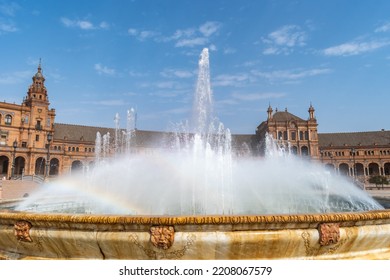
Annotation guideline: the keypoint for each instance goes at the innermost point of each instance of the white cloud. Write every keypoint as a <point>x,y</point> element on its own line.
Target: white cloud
<point>104,70</point>
<point>137,74</point>
<point>166,85</point>
<point>271,50</point>
<point>132,32</point>
<point>354,48</point>
<point>284,40</point>
<point>291,74</point>
<point>384,28</point>
<point>183,33</point>
<point>104,25</point>
<point>83,24</point>
<point>191,42</point>
<point>229,51</point>
<point>230,80</point>
<point>15,77</point>
<point>7,28</point>
<point>239,98</point>
<point>177,73</point>
<point>9,9</point>
<point>213,48</point>
<point>143,35</point>
<point>189,37</point>
<point>209,28</point>
<point>147,34</point>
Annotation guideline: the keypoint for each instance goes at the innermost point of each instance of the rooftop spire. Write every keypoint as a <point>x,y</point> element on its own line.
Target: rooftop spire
<point>311,111</point>
<point>269,111</point>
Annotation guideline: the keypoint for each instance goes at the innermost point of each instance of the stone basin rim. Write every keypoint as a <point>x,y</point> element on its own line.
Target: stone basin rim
<point>379,216</point>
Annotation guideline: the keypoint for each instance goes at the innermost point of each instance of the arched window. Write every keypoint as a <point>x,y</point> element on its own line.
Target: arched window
<point>76,165</point>
<point>294,150</point>
<point>387,168</point>
<point>373,169</point>
<point>8,120</point>
<point>54,166</point>
<point>40,165</point>
<point>344,169</point>
<point>304,151</point>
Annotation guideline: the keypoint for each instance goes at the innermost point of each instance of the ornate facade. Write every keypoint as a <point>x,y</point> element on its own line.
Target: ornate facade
<point>32,143</point>
<point>300,135</point>
<point>29,141</point>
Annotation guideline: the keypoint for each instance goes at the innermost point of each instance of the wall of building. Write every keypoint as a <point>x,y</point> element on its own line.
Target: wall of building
<point>30,138</point>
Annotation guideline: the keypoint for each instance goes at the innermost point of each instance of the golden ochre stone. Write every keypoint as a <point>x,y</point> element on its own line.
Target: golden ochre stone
<point>364,235</point>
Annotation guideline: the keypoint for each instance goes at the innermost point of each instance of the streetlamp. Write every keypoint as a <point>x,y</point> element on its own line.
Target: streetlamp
<point>49,138</point>
<point>14,145</point>
<point>353,152</point>
<point>331,161</point>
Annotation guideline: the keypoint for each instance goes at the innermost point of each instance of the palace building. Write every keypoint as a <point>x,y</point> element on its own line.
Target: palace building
<point>32,144</point>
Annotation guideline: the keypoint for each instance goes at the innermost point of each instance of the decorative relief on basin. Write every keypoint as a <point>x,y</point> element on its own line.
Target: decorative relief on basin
<point>22,231</point>
<point>329,233</point>
<point>329,240</point>
<point>164,254</point>
<point>162,237</point>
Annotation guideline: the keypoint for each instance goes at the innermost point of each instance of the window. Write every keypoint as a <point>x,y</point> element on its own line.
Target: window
<point>8,120</point>
<point>37,137</point>
<point>293,135</point>
<point>3,139</point>
<point>38,126</point>
<point>24,144</point>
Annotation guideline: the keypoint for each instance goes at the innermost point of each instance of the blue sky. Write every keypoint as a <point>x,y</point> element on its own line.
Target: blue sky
<point>105,57</point>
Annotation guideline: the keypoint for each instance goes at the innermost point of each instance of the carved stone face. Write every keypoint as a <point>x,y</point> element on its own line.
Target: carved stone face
<point>329,233</point>
<point>22,231</point>
<point>162,236</point>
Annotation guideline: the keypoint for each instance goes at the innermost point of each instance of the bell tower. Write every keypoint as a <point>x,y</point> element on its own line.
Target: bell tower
<point>37,92</point>
<point>37,116</point>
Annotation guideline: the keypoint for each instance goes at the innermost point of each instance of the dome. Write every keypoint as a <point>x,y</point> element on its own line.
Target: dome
<point>39,74</point>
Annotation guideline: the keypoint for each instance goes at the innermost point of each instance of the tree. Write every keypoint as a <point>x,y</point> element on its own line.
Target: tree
<point>378,180</point>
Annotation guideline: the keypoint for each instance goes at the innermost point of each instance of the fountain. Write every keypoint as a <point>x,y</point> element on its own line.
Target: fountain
<point>195,200</point>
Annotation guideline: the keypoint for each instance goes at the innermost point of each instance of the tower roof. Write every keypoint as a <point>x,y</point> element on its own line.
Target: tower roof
<point>39,74</point>
<point>285,116</point>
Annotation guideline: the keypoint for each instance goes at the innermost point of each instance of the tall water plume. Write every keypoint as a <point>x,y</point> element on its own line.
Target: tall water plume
<point>202,113</point>
<point>130,128</point>
<point>200,176</point>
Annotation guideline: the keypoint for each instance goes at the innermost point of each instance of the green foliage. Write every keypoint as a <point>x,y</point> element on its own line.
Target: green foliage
<point>378,180</point>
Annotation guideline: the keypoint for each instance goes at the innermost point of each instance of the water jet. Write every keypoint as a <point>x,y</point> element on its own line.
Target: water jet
<point>194,200</point>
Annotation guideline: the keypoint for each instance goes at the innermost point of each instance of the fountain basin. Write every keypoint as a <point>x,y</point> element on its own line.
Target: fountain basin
<point>355,235</point>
